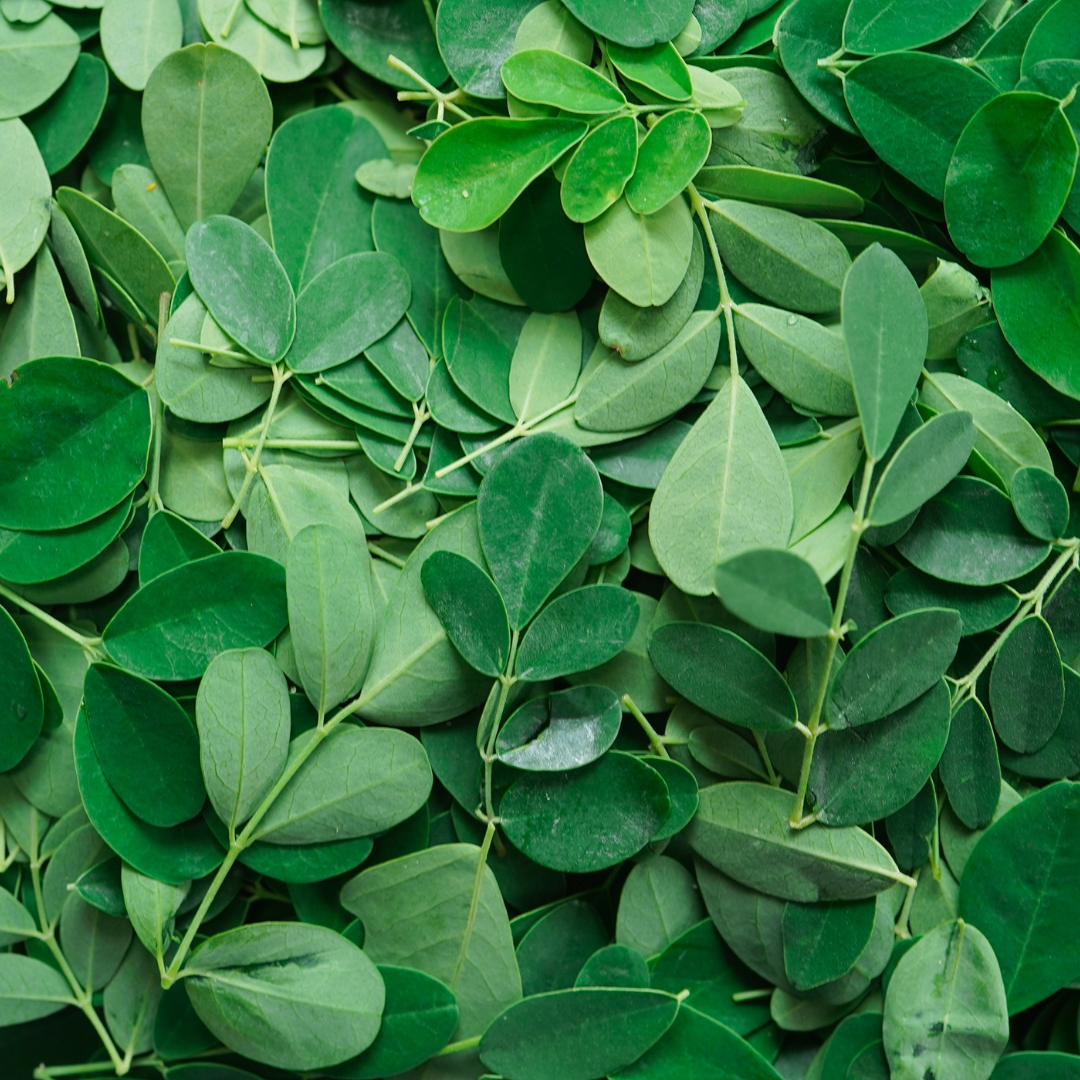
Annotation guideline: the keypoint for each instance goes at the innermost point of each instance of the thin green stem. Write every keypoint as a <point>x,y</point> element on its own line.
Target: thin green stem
<point>901,929</point>
<point>506,680</point>
<point>656,741</point>
<point>701,208</point>
<point>246,442</point>
<point>752,995</point>
<point>446,100</point>
<point>420,416</point>
<point>763,750</point>
<point>385,555</point>
<point>88,645</point>
<point>153,496</point>
<point>461,1044</point>
<point>209,350</point>
<point>226,28</point>
<point>836,632</point>
<point>1064,564</point>
<point>82,998</point>
<point>280,378</point>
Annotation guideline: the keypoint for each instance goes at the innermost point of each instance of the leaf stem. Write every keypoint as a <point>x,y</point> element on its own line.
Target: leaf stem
<point>280,378</point>
<point>246,442</point>
<point>836,631</point>
<point>420,416</point>
<point>91,646</point>
<point>437,95</point>
<point>901,929</point>
<point>1067,561</point>
<point>656,742</point>
<point>700,208</point>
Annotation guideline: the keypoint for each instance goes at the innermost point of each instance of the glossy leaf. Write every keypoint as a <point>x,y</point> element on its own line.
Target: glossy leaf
<point>564,730</point>
<point>145,744</point>
<point>669,157</point>
<point>472,174</point>
<point>599,169</point>
<point>876,28</point>
<point>176,624</point>
<point>545,77</point>
<point>593,1032</point>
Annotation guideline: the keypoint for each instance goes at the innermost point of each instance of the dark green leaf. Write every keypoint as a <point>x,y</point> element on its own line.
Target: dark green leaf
<point>873,27</point>
<point>969,766</point>
<point>822,942</point>
<point>1027,689</point>
<point>21,703</point>
<point>775,591</point>
<point>1041,502</point>
<point>145,744</point>
<point>591,1032</point>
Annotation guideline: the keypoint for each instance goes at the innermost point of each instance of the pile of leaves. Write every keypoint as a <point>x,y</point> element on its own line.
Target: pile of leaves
<point>537,539</point>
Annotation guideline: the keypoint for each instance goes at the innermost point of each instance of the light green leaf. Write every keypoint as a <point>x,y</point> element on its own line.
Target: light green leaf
<point>136,35</point>
<point>546,363</point>
<point>724,491</point>
<point>151,906</point>
<point>658,903</point>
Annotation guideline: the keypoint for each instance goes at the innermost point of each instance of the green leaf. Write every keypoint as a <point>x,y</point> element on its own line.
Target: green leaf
<point>146,745</point>
<point>945,1007</point>
<point>788,260</point>
<point>357,782</point>
<point>41,322</point>
<point>173,856</point>
<point>34,62</point>
<point>470,608</point>
<point>701,512</point>
<point>1041,502</point>
<point>287,994</point>
<point>151,906</point>
<point>578,630</point>
<point>805,361</point>
<point>141,200</point>
<point>1017,888</point>
<point>564,730</point>
<point>968,534</point>
<point>75,439</point>
<point>808,31</point>
<point>719,672</point>
<point>25,215</point>
<point>599,169</point>
<point>621,396</point>
<point>1027,688</point>
<point>658,903</point>
<point>893,665</point>
<point>822,942</point>
<point>925,462</point>
<point>555,949</point>
<point>1003,437</point>
<point>820,472</point>
<point>911,107</point>
<point>317,212</point>
<point>464,941</point>
<point>799,194</point>
<point>659,68</point>
<point>271,53</point>
<point>346,308</point>
<point>120,253</point>
<point>418,1020</point>
<point>30,989</point>
<point>546,363</point>
<point>369,35</point>
<point>636,24</point>
<point>470,175</point>
<point>969,766</point>
<point>669,157</point>
<point>697,1045</point>
<point>883,27</point>
<point>192,387</point>
<point>615,965</point>
<point>479,338</point>
<point>643,258</point>
<point>243,285</point>
<point>1012,132</point>
<point>885,329</point>
<point>176,624</point>
<point>21,704</point>
<point>16,923</point>
<point>858,776</point>
<point>545,77</point>
<point>243,716</point>
<point>64,124</point>
<point>538,510</point>
<point>743,829</point>
<point>590,1032</point>
<point>331,613</point>
<point>136,37</point>
<point>586,819</point>
<point>775,591</point>
<point>1038,305</point>
<point>475,41</point>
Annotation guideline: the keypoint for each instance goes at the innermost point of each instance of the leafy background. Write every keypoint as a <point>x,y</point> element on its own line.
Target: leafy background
<point>539,540</point>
